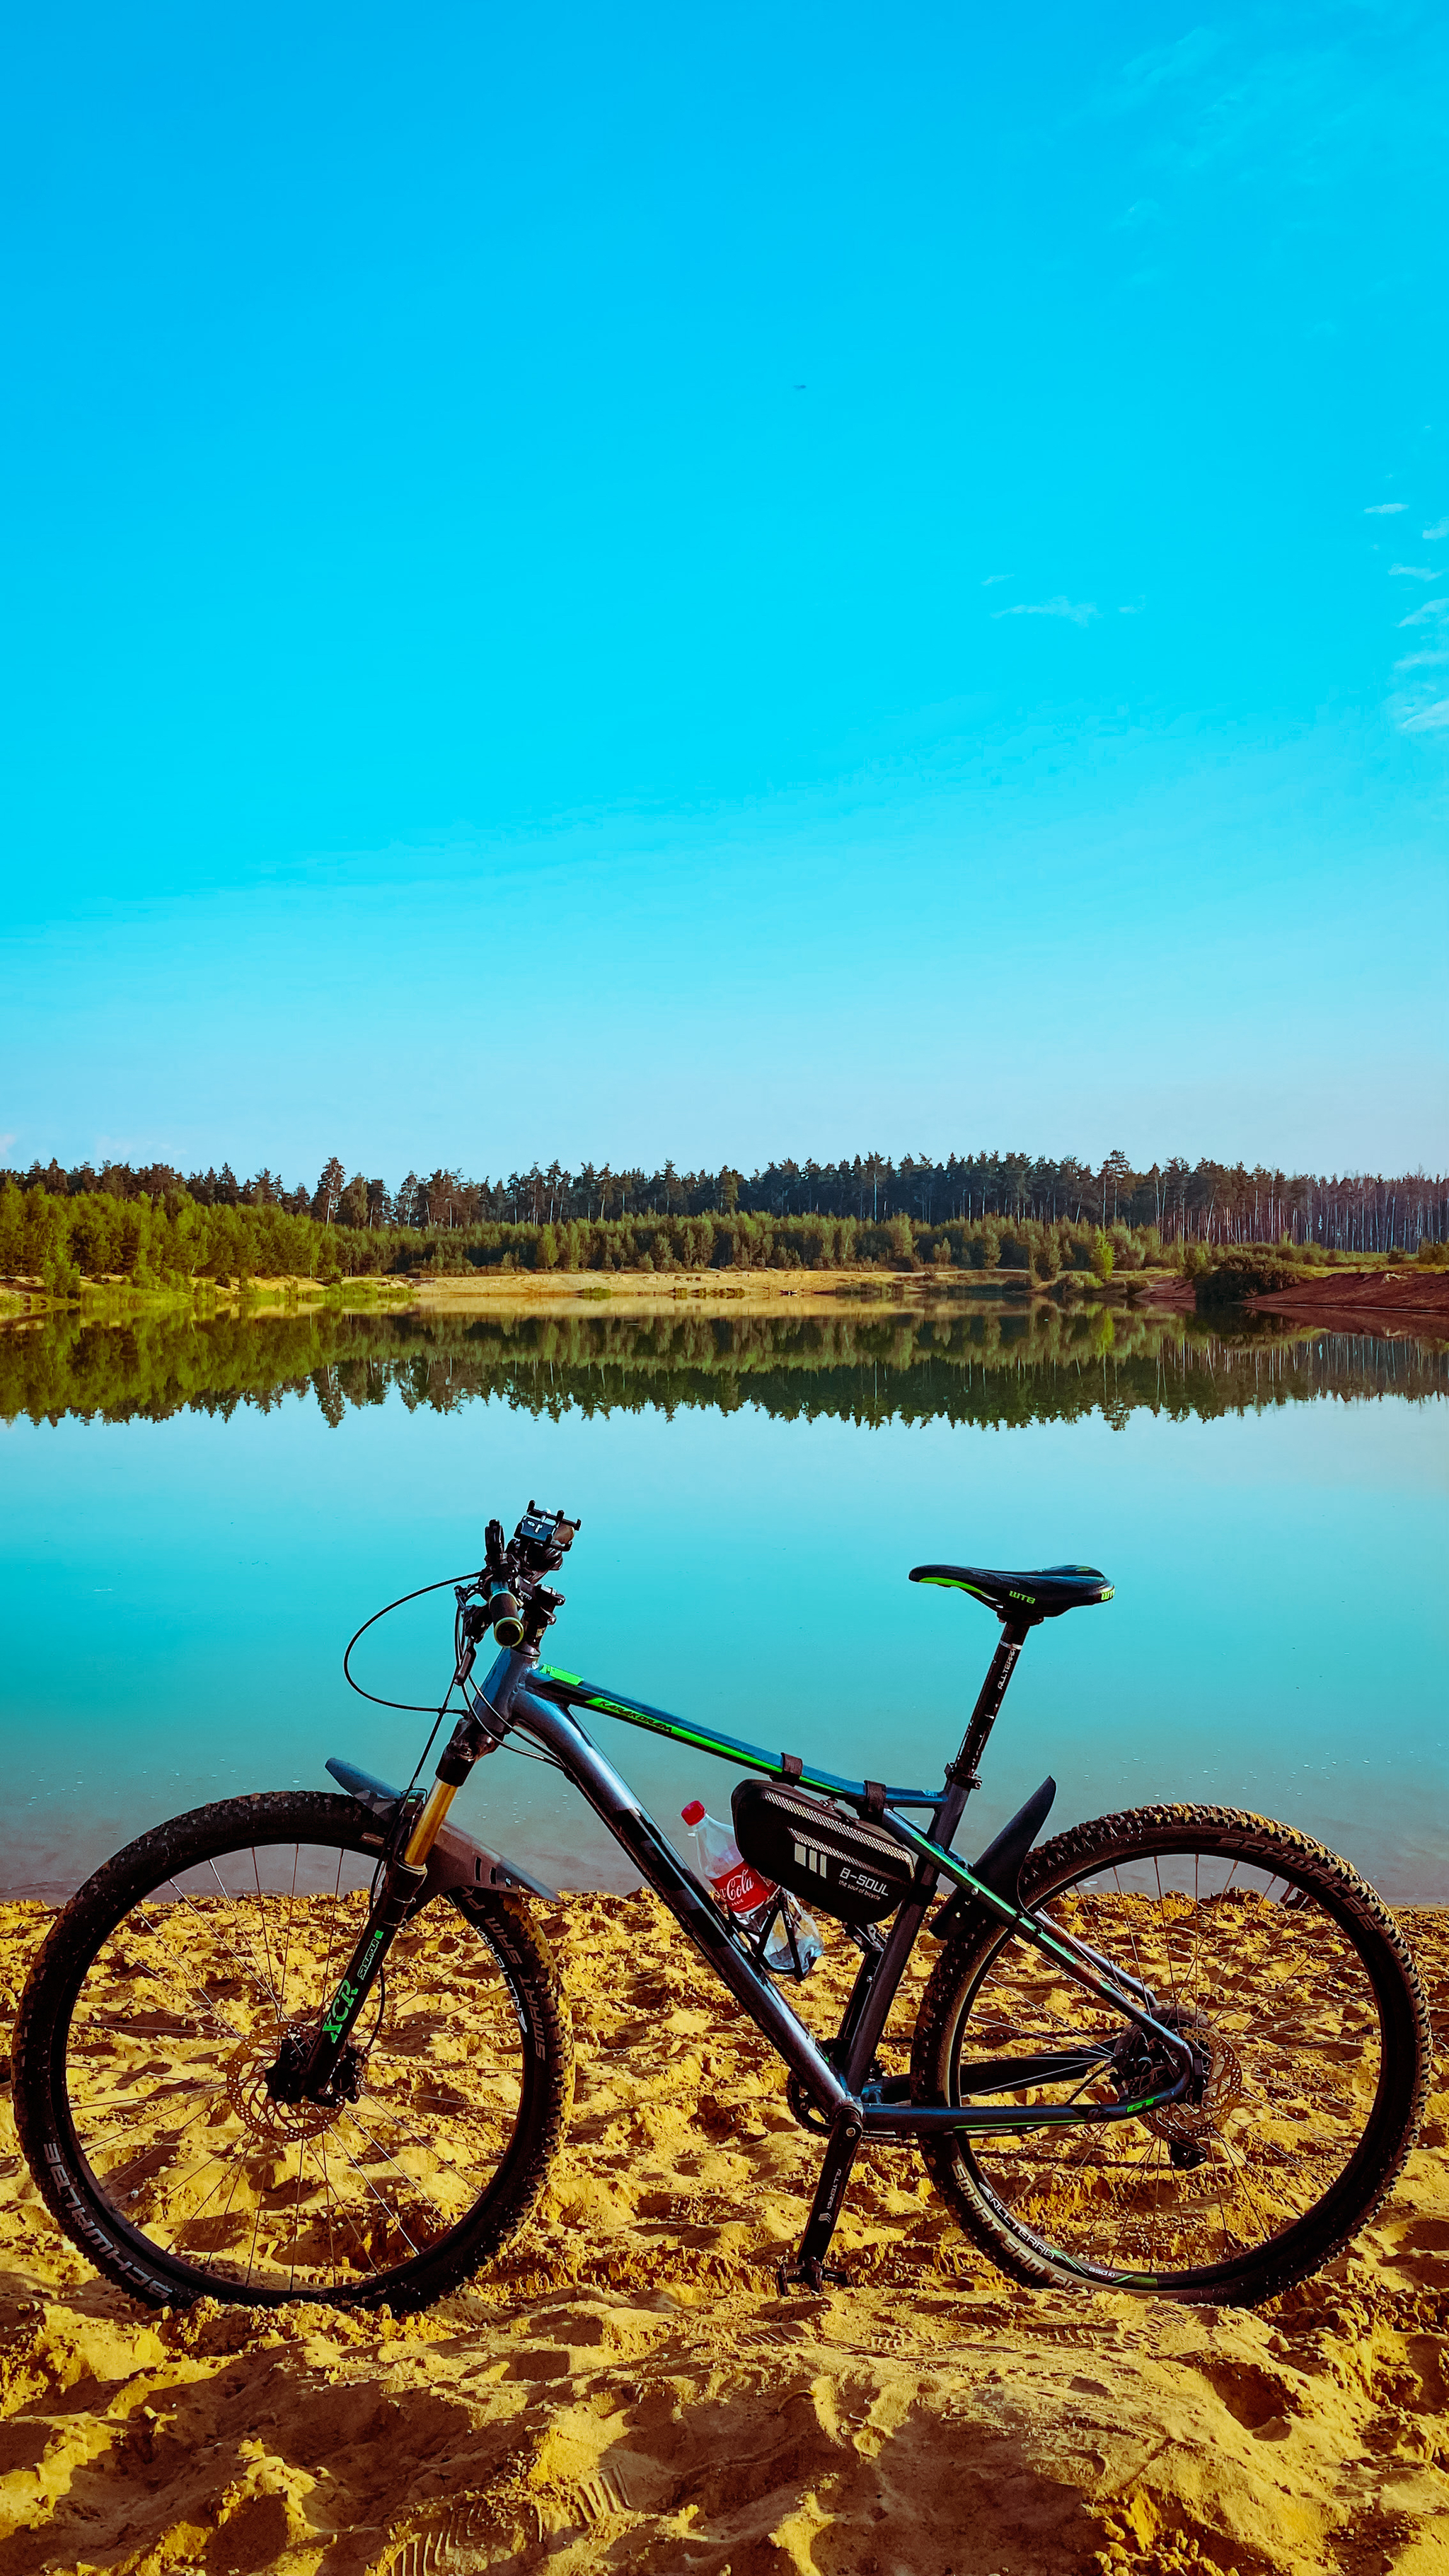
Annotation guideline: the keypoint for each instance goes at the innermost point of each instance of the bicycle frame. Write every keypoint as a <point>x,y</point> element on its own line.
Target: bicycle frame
<point>846,2086</point>
<point>541,1700</point>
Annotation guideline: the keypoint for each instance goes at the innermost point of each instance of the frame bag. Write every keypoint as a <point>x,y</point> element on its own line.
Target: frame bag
<point>852,1870</point>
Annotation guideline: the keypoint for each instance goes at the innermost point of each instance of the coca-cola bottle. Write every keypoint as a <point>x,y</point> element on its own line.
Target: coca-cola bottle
<point>749,1897</point>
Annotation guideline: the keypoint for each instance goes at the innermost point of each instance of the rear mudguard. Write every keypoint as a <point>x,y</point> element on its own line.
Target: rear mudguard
<point>455,1860</point>
<point>999,1867</point>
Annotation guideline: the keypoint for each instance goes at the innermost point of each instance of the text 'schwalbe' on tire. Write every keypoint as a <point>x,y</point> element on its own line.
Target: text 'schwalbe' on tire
<point>161,1999</point>
<point>1299,1989</point>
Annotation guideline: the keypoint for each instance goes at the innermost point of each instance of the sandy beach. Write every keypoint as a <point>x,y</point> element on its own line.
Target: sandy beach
<point>627,2390</point>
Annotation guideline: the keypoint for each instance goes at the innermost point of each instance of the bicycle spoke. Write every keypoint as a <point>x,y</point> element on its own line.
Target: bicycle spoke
<point>335,1919</point>
<point>371,2186</point>
<point>93,2146</point>
<point>1167,1936</point>
<point>351,2221</point>
<point>238,2169</point>
<point>297,2211</point>
<point>327,2205</point>
<point>252,2245</point>
<point>416,2183</point>
<point>286,1954</point>
<point>211,2010</point>
<point>1240,2166</point>
<point>266,1944</point>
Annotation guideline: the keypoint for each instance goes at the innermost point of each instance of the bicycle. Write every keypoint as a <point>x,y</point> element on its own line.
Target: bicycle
<point>1180,2050</point>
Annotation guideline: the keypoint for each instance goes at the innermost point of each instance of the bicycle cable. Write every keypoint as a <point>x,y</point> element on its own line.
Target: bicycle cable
<point>411,1707</point>
<point>423,1708</point>
<point>524,1754</point>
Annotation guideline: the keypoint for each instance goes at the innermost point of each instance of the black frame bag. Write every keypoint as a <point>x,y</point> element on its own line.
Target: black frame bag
<point>850,1869</point>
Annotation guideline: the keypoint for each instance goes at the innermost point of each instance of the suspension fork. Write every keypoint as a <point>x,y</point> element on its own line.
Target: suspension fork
<point>306,2077</point>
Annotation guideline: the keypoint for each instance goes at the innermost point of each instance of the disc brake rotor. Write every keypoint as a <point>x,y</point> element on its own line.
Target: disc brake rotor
<point>258,2108</point>
<point>1211,2096</point>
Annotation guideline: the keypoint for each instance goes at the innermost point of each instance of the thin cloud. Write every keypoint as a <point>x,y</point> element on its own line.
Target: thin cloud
<point>1428,615</point>
<point>1080,611</point>
<point>1430,534</point>
<point>993,578</point>
<point>1431,719</point>
<point>1421,661</point>
<point>1415,572</point>
<point>1139,79</point>
<point>1384,509</point>
<point>1130,608</point>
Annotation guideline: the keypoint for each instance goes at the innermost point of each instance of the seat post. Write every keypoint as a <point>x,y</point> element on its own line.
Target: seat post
<point>963,1771</point>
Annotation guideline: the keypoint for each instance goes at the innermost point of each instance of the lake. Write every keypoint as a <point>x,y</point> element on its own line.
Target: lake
<point>195,1516</point>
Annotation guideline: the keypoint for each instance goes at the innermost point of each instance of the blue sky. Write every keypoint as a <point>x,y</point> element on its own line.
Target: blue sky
<point>725,582</point>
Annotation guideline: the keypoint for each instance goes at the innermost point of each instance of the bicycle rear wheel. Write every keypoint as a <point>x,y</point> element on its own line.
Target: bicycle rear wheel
<point>1294,1980</point>
<point>161,1998</point>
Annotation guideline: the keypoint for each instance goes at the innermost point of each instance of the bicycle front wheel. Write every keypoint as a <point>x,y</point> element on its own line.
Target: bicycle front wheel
<point>162,1997</point>
<point>1297,1988</point>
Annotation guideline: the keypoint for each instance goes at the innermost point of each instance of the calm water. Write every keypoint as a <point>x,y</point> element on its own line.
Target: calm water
<point>193,1519</point>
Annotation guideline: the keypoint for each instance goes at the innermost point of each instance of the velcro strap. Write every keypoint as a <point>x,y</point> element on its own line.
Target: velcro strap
<point>875,1797</point>
<point>791,1766</point>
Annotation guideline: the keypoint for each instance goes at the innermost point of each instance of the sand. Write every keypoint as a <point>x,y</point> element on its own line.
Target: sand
<point>1395,1301</point>
<point>816,1292</point>
<point>627,2391</point>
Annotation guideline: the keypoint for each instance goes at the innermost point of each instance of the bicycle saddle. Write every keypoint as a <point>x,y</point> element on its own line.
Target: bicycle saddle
<point>1025,1599</point>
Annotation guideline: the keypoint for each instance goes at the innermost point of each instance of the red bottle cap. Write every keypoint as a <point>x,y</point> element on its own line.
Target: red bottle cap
<point>693,1812</point>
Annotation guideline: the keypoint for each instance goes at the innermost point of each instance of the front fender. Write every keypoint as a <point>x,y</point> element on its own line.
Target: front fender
<point>455,1860</point>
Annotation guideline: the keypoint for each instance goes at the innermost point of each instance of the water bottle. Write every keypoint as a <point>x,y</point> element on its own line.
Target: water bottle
<point>750,1897</point>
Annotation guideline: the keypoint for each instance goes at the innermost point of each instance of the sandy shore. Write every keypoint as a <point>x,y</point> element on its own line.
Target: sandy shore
<point>628,2392</point>
<point>1396,1300</point>
<point>1363,1301</point>
<point>820,1292</point>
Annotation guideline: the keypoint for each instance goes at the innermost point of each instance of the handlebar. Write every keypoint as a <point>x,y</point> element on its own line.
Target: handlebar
<point>503,1611</point>
<point>509,1596</point>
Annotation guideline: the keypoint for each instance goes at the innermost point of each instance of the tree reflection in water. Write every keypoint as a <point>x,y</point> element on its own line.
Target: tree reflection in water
<point>874,1364</point>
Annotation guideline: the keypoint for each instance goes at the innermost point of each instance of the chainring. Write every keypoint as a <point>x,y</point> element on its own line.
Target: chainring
<point>808,2113</point>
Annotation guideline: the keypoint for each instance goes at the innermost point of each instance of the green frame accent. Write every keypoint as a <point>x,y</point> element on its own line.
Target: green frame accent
<point>569,1690</point>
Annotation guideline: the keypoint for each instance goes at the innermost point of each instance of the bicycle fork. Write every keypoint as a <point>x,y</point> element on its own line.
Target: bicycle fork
<point>322,2069</point>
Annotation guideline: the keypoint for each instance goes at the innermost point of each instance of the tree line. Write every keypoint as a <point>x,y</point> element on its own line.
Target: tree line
<point>1041,1365</point>
<point>176,1242</point>
<point>1206,1201</point>
<point>154,1225</point>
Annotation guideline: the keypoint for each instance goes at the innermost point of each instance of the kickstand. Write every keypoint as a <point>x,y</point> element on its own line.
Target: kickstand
<point>815,2278</point>
<point>810,2271</point>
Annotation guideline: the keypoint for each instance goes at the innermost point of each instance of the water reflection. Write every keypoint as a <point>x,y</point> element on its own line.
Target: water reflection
<point>1004,1366</point>
<point>175,1591</point>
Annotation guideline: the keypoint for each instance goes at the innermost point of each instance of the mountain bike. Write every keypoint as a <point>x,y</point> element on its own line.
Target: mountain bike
<point>300,2046</point>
